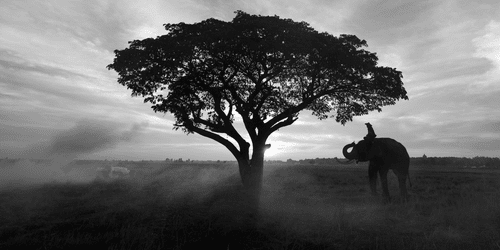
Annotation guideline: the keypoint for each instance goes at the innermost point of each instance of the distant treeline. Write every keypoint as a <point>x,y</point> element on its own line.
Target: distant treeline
<point>475,162</point>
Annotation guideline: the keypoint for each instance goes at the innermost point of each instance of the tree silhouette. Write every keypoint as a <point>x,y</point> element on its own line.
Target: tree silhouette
<point>263,68</point>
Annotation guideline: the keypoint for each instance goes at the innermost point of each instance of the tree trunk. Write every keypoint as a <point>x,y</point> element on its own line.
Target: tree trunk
<point>252,171</point>
<point>251,174</point>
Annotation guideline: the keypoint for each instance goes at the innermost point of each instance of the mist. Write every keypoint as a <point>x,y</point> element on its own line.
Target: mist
<point>51,161</point>
<point>314,198</point>
<point>90,136</point>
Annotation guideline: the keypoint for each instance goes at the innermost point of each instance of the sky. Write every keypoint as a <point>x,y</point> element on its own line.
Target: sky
<point>58,98</point>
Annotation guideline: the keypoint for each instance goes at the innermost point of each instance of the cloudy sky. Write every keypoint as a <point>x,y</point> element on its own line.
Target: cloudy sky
<point>58,98</point>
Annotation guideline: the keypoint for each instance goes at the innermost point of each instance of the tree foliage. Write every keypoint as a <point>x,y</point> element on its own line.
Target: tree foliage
<point>265,69</point>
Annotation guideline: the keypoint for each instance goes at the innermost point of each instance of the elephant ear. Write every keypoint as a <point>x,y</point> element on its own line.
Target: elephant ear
<point>375,150</point>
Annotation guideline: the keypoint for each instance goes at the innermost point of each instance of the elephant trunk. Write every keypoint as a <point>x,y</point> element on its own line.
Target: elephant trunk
<point>353,154</point>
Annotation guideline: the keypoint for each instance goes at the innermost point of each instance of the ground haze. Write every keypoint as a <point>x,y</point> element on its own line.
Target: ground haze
<point>194,205</point>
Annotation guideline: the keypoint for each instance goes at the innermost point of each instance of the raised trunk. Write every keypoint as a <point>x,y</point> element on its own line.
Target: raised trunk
<point>353,154</point>
<point>344,162</point>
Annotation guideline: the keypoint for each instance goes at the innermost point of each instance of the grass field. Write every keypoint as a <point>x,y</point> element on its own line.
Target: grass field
<point>202,205</point>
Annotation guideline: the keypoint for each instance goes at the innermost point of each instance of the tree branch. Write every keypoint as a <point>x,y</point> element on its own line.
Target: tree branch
<point>212,126</point>
<point>289,121</point>
<point>189,125</point>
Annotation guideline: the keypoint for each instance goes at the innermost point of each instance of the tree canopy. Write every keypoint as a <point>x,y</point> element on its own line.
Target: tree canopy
<point>265,69</point>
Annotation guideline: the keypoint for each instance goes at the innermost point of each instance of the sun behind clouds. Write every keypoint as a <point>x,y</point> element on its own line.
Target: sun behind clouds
<point>271,152</point>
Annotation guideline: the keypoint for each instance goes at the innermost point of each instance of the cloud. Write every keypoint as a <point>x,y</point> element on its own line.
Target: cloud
<point>465,135</point>
<point>322,15</point>
<point>103,23</point>
<point>53,56</point>
<point>487,46</point>
<point>390,22</point>
<point>85,137</point>
<point>12,62</point>
<point>431,42</point>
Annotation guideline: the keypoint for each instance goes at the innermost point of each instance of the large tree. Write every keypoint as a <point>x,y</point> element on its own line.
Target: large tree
<point>263,68</point>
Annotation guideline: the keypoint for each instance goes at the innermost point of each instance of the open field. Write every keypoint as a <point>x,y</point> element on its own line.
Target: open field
<point>199,205</point>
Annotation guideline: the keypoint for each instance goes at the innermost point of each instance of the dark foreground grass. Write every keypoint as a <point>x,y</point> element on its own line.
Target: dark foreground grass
<point>301,207</point>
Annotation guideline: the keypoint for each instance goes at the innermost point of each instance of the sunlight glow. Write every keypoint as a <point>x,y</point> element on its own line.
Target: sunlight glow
<point>272,151</point>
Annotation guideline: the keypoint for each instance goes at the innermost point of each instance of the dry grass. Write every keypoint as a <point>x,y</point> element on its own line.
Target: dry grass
<point>301,207</point>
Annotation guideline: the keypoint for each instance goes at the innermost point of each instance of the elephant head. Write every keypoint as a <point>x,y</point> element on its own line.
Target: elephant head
<point>364,150</point>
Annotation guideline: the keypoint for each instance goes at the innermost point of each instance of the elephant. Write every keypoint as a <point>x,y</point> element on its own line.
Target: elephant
<point>383,154</point>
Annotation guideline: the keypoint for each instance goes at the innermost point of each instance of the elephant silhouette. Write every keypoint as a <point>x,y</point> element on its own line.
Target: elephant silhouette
<point>384,154</point>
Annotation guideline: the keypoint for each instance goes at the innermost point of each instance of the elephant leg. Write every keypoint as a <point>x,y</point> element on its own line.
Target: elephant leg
<point>402,183</point>
<point>402,186</point>
<point>385,187</point>
<point>372,175</point>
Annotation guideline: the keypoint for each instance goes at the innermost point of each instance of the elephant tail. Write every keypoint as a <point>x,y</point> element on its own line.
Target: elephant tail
<point>409,179</point>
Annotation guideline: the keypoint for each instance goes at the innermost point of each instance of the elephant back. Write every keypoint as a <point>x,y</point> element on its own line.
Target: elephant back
<point>394,151</point>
